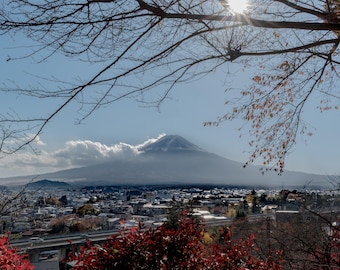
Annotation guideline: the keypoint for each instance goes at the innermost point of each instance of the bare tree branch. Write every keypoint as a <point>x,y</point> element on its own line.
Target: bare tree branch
<point>294,44</point>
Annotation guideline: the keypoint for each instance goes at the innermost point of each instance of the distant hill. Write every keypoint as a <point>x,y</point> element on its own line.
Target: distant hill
<point>174,160</point>
<point>48,184</point>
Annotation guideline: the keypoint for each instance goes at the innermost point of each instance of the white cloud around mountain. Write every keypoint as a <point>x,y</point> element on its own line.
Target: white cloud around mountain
<point>82,153</point>
<point>150,141</point>
<point>75,153</point>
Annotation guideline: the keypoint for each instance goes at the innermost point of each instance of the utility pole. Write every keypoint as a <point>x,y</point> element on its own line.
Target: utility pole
<point>268,234</point>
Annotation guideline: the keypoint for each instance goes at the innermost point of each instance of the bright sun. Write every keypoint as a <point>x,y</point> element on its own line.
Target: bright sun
<point>238,6</point>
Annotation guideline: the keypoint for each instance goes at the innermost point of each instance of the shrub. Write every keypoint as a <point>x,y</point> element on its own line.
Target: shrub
<point>10,259</point>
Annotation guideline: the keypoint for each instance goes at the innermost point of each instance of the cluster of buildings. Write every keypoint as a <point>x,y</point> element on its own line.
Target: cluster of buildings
<point>66,210</point>
<point>37,214</point>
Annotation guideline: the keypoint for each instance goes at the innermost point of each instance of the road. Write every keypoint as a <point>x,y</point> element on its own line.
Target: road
<point>66,241</point>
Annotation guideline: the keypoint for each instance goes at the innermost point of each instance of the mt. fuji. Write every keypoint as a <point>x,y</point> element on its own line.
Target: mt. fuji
<point>171,159</point>
<point>170,144</point>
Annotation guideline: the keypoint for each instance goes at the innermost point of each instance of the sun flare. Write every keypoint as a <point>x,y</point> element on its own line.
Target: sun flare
<point>238,6</point>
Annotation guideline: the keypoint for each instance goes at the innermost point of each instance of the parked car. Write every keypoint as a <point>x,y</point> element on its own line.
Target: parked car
<point>36,240</point>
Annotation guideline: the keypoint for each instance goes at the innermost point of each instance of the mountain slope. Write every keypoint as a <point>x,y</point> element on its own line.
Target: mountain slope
<point>174,160</point>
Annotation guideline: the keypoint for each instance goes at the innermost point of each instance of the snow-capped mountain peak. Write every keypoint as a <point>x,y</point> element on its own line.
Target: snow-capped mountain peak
<point>170,143</point>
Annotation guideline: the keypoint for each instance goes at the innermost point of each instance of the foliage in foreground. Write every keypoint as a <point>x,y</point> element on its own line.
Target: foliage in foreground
<point>168,248</point>
<point>10,259</point>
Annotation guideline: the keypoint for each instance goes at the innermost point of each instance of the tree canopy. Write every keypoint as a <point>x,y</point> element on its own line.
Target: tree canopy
<point>292,44</point>
<point>169,248</point>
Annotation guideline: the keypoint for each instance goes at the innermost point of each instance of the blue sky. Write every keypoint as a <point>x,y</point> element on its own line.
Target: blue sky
<point>119,127</point>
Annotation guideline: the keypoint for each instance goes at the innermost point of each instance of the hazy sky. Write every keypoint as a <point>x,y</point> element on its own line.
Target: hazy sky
<point>117,129</point>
